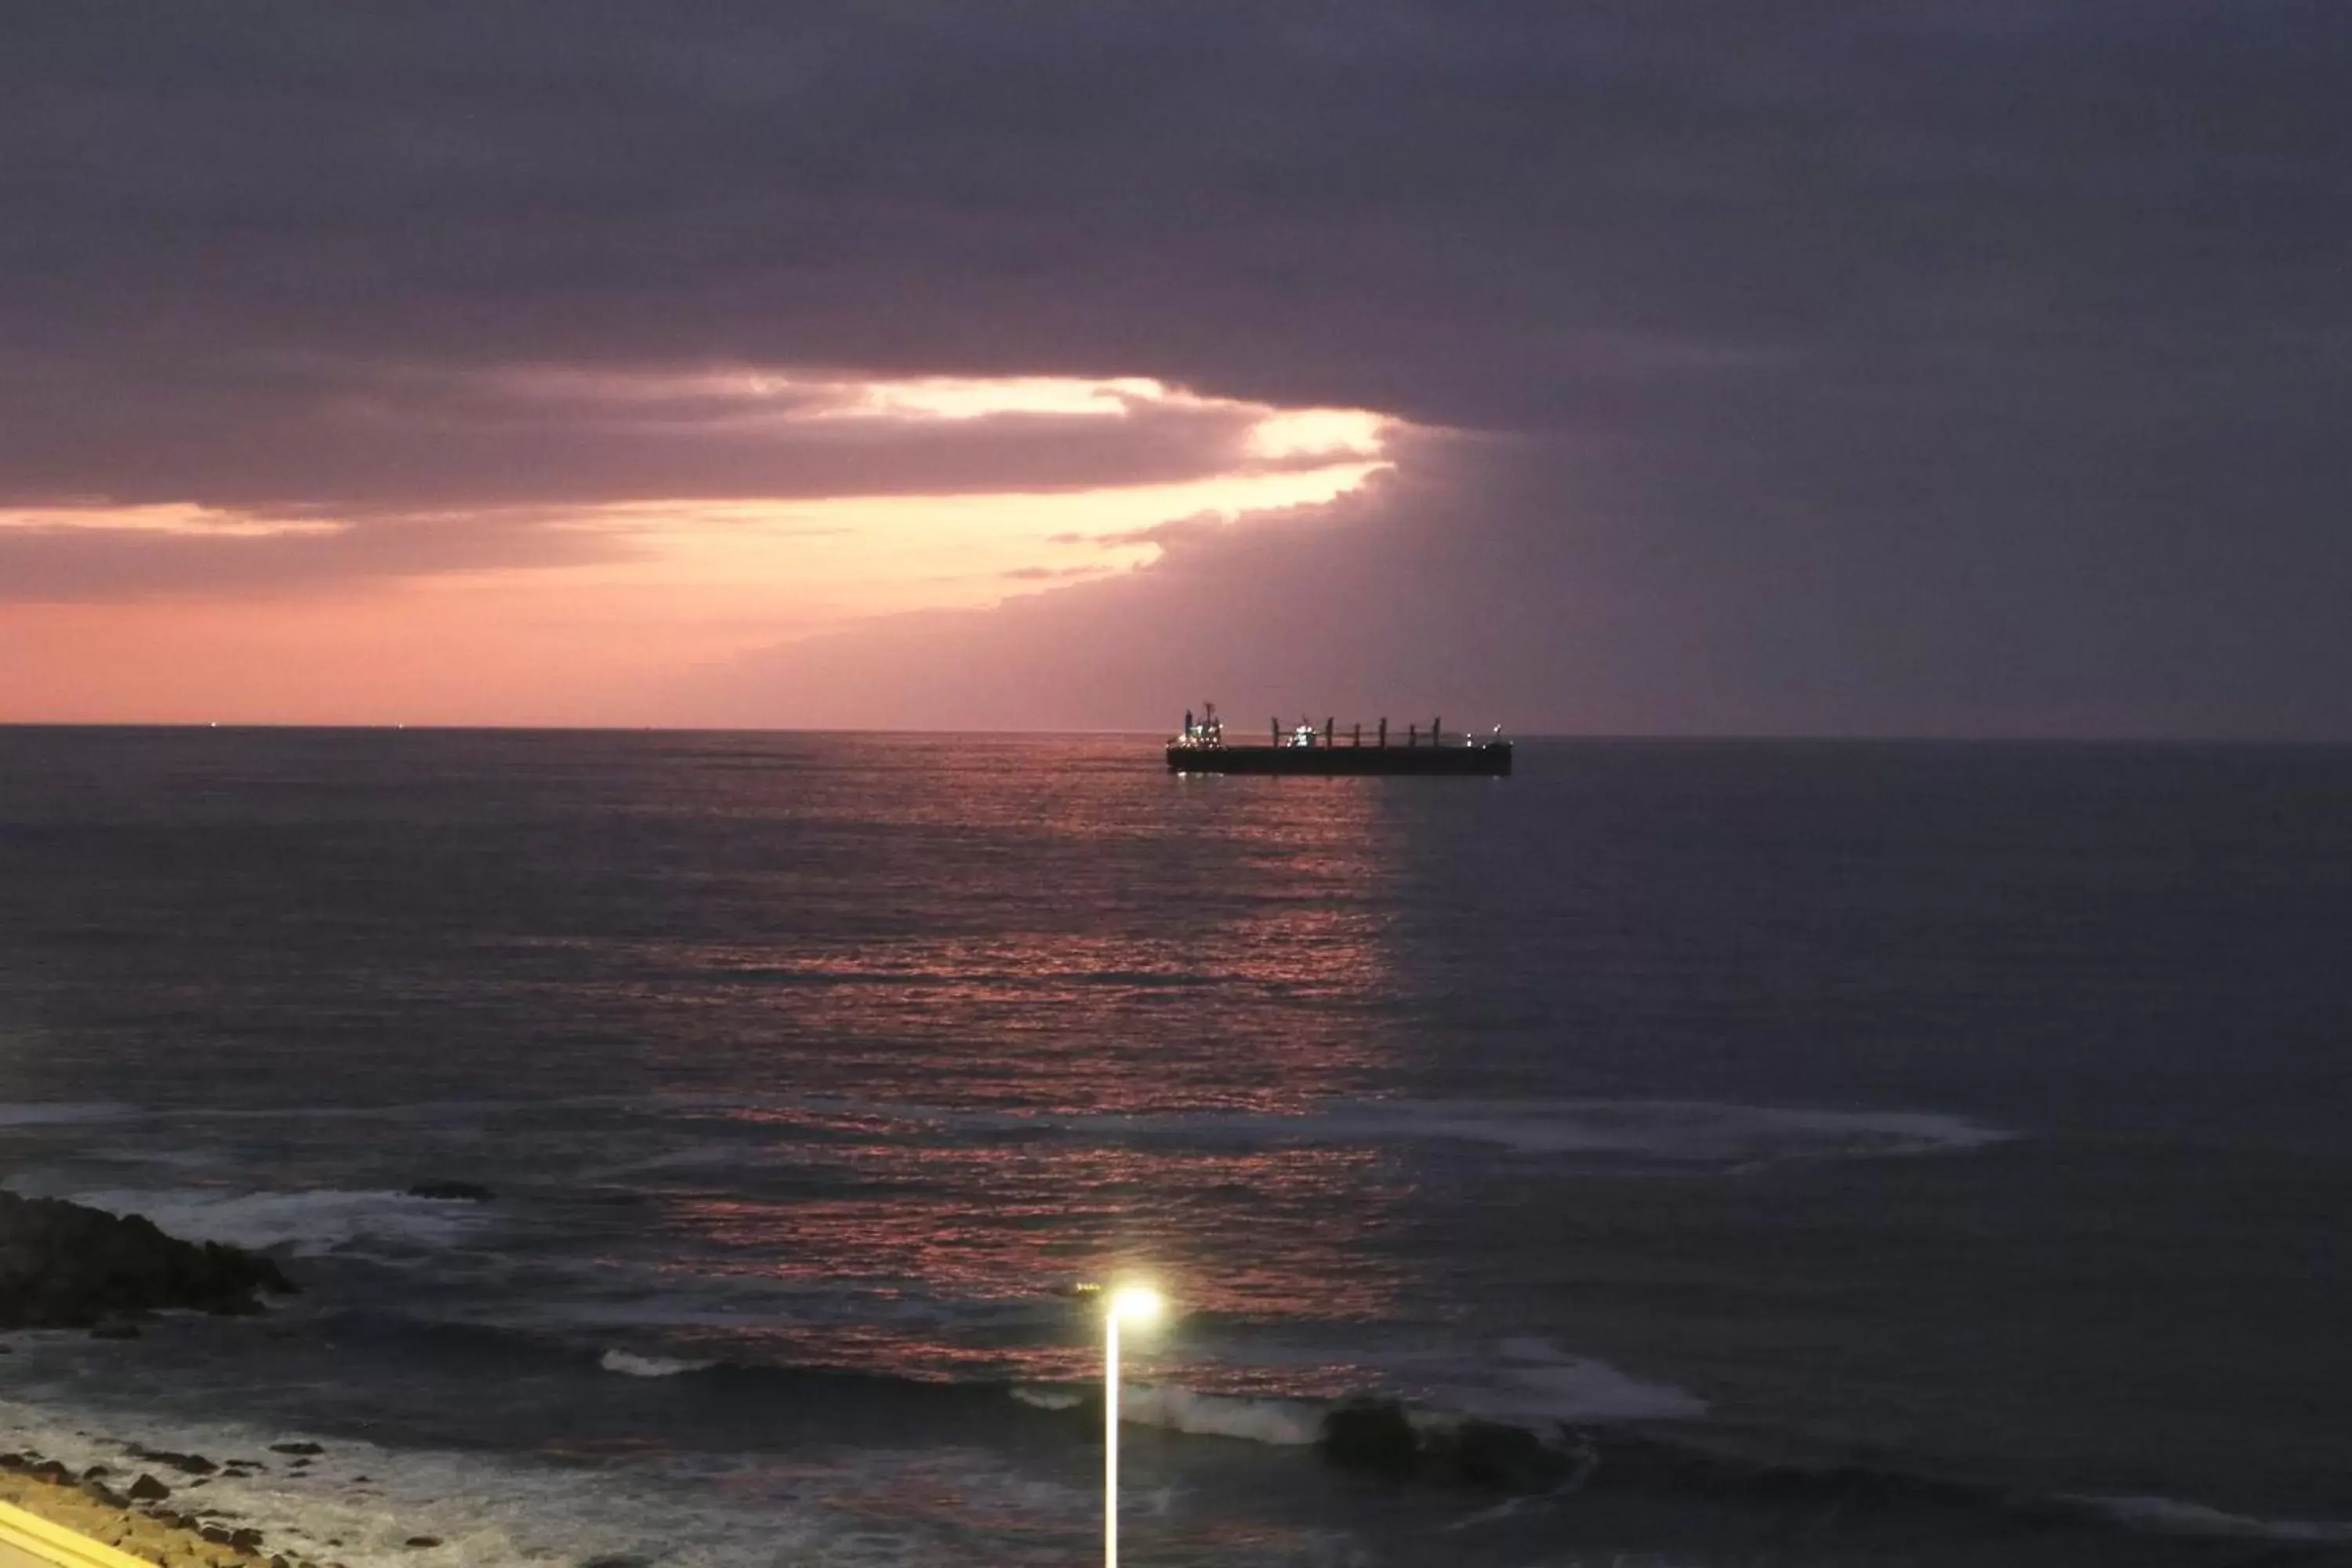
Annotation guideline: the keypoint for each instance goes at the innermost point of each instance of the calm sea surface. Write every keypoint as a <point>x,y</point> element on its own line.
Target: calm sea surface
<point>1859,1154</point>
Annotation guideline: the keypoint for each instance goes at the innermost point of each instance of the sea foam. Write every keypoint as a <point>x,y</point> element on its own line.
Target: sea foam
<point>61,1112</point>
<point>1285,1422</point>
<point>359,1503</point>
<point>1681,1134</point>
<point>2170,1516</point>
<point>1527,1382</point>
<point>308,1223</point>
<point>632,1365</point>
<point>1534,1381</point>
<point>1676,1132</point>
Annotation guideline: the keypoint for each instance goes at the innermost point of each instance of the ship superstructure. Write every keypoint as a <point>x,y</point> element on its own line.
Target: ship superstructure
<point>1302,748</point>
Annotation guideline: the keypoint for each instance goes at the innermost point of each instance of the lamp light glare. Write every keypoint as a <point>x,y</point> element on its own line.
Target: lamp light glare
<point>1135,1304</point>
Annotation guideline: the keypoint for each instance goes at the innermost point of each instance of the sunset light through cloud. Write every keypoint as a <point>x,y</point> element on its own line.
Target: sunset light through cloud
<point>952,397</point>
<point>184,518</point>
<point>653,521</point>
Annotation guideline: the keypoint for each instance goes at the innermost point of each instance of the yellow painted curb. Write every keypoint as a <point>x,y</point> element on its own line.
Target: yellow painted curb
<point>28,1535</point>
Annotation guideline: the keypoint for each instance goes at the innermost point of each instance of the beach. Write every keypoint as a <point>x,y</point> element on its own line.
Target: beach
<point>129,1509</point>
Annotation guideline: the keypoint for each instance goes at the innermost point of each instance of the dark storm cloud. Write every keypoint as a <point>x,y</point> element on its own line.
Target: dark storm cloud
<point>1508,588</point>
<point>1880,365</point>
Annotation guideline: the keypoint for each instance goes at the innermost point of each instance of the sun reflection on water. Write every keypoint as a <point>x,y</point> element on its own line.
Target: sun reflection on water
<point>971,1137</point>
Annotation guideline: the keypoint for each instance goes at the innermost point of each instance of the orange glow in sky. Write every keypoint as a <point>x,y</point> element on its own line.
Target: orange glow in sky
<point>182,518</point>
<point>615,602</point>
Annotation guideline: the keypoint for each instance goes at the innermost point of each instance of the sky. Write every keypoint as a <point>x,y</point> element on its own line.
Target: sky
<point>1908,368</point>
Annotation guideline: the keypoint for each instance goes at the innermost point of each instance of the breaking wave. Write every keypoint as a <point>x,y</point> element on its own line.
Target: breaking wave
<point>2170,1516</point>
<point>1526,1382</point>
<point>1678,1132</point>
<point>1049,1398</point>
<point>365,1500</point>
<point>307,1223</point>
<point>1529,1381</point>
<point>1690,1134</point>
<point>1283,1423</point>
<point>630,1365</point>
<point>62,1113</point>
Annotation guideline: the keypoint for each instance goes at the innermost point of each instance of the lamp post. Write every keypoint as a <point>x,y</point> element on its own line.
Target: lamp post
<point>1139,1305</point>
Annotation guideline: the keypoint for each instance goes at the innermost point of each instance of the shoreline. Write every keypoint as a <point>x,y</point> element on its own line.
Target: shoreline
<point>133,1510</point>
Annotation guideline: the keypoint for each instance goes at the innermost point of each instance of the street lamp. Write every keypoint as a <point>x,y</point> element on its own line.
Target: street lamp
<point>1139,1305</point>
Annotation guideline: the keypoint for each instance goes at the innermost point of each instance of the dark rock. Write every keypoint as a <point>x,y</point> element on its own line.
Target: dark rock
<point>1378,1437</point>
<point>1373,1436</point>
<point>63,1265</point>
<point>50,1470</point>
<point>245,1539</point>
<point>13,1461</point>
<point>452,1192</point>
<point>215,1534</point>
<point>277,1560</point>
<point>305,1449</point>
<point>100,1491</point>
<point>1084,1416</point>
<point>115,1329</point>
<point>186,1464</point>
<point>1491,1455</point>
<point>423,1540</point>
<point>147,1489</point>
<point>95,1472</point>
<point>616,1560</point>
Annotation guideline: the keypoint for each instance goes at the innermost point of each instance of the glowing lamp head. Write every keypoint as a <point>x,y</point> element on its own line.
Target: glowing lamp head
<point>1137,1304</point>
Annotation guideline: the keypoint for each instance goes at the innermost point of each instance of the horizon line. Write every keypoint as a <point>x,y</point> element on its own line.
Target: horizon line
<point>1597,737</point>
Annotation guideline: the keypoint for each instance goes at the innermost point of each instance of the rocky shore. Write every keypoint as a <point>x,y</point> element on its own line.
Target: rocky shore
<point>136,1511</point>
<point>65,1266</point>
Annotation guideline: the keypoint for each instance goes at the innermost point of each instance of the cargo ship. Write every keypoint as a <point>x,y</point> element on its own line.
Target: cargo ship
<point>1301,748</point>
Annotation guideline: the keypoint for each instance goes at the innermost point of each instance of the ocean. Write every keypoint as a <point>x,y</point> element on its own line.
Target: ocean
<point>1850,1152</point>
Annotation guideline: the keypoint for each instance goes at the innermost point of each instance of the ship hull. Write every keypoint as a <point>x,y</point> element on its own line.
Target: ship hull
<point>1488,760</point>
